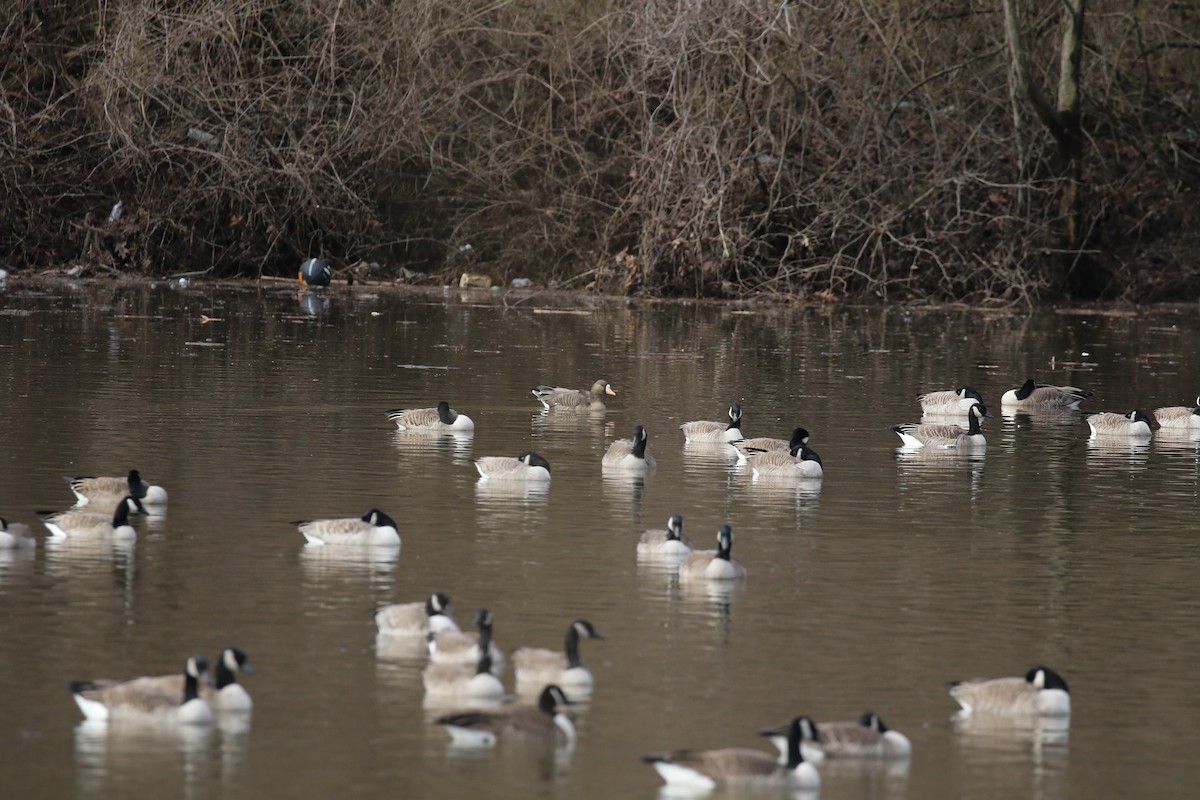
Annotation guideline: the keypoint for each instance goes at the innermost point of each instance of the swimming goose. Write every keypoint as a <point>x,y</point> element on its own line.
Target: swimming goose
<point>800,462</point>
<point>1030,395</point>
<point>416,619</point>
<point>538,666</point>
<point>372,528</point>
<point>431,420</point>
<point>315,272</point>
<point>1041,692</point>
<point>1132,424</point>
<point>574,399</point>
<point>532,723</point>
<point>529,466</point>
<point>866,737</point>
<point>107,492</point>
<point>669,542</point>
<point>705,769</point>
<point>629,455</point>
<point>1179,417</point>
<point>934,434</point>
<point>229,695</point>
<point>14,535</point>
<point>156,698</point>
<point>463,682</point>
<point>706,431</point>
<point>949,402</point>
<point>463,647</point>
<point>714,564</point>
<point>86,525</point>
<point>763,443</point>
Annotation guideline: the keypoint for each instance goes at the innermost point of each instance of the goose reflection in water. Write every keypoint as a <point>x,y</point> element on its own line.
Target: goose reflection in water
<point>419,443</point>
<point>1042,739</point>
<point>1118,451</point>
<point>313,304</point>
<point>115,753</point>
<point>376,563</point>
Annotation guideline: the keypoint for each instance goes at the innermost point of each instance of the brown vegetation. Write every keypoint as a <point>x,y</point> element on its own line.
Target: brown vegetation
<point>700,148</point>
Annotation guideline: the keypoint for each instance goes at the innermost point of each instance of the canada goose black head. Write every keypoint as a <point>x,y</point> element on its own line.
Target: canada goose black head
<point>799,437</point>
<point>675,527</point>
<point>735,415</point>
<point>1137,416</point>
<point>551,698</point>
<point>965,391</point>
<point>378,519</point>
<point>724,542</point>
<point>1046,678</point>
<point>532,459</point>
<point>870,719</point>
<point>437,603</point>
<point>1025,389</point>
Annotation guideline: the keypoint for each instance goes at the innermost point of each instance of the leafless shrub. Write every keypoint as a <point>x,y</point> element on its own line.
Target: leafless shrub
<point>704,148</point>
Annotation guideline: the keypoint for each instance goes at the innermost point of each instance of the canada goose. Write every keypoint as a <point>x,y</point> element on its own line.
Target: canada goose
<point>704,769</point>
<point>669,542</point>
<point>1042,692</point>
<point>372,528</point>
<point>431,420</point>
<point>764,443</point>
<point>1179,417</point>
<point>552,397</point>
<point>147,698</point>
<point>935,434</point>
<point>538,666</point>
<point>15,535</point>
<point>463,682</point>
<point>801,462</point>
<point>1030,395</point>
<point>541,722</point>
<point>462,647</point>
<point>1132,424</point>
<point>229,695</point>
<point>714,564</point>
<point>315,272</point>
<point>86,525</point>
<point>949,402</point>
<point>529,466</point>
<point>416,619</point>
<point>706,431</point>
<point>866,737</point>
<point>107,492</point>
<point>629,455</point>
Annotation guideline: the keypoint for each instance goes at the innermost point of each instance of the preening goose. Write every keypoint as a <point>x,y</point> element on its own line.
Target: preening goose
<point>84,525</point>
<point>629,455</point>
<point>372,528</point>
<point>156,698</point>
<point>713,564</point>
<point>801,462</point>
<point>105,493</point>
<point>1042,692</point>
<point>1034,396</point>
<point>669,542</point>
<point>705,769</point>
<point>1131,425</point>
<point>462,647</point>
<point>951,402</point>
<point>1182,418</point>
<point>463,681</point>
<point>529,466</point>
<point>556,397</point>
<point>431,420</point>
<point>14,535</point>
<point>542,722</point>
<point>866,737</point>
<point>765,443</point>
<point>945,435</point>
<point>537,666</point>
<point>416,619</point>
<point>706,431</point>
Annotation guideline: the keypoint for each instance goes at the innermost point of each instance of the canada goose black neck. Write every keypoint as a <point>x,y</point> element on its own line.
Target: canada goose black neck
<point>532,459</point>
<point>974,414</point>
<point>445,414</point>
<point>197,666</point>
<point>550,698</point>
<point>1138,416</point>
<point>965,391</point>
<point>136,487</point>
<point>121,515</point>
<point>571,644</point>
<point>724,542</point>
<point>484,665</point>
<point>1026,389</point>
<point>735,418</point>
<point>870,719</point>
<point>436,603</point>
<point>639,442</point>
<point>675,527</point>
<point>226,674</point>
<point>795,759</point>
<point>803,452</point>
